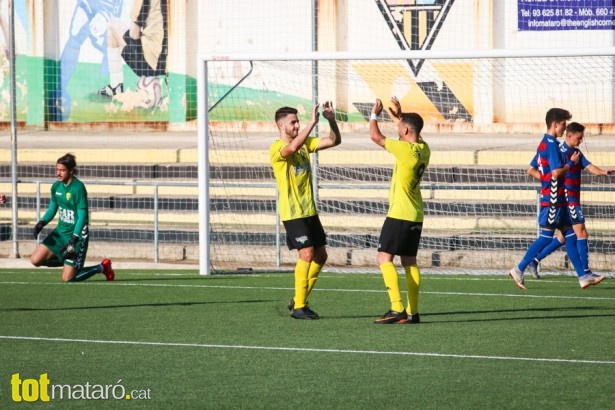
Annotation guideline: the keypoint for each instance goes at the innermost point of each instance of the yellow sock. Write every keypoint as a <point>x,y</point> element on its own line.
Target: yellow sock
<point>391,281</point>
<point>413,283</point>
<point>301,282</point>
<point>312,277</point>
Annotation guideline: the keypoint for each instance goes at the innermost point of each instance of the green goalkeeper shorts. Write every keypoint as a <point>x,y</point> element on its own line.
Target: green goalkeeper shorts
<point>56,242</point>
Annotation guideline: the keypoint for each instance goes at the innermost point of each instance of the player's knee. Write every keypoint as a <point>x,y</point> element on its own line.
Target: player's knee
<point>306,254</point>
<point>35,260</point>
<point>321,259</point>
<point>320,255</point>
<point>68,275</point>
<point>383,257</point>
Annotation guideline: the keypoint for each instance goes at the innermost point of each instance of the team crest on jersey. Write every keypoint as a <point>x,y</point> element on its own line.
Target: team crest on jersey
<point>68,196</point>
<point>300,162</point>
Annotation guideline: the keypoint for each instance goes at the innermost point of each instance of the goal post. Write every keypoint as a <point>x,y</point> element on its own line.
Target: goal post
<point>484,116</point>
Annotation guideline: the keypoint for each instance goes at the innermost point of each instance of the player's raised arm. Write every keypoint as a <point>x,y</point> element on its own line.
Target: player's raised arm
<point>396,109</point>
<point>334,138</point>
<point>374,130</point>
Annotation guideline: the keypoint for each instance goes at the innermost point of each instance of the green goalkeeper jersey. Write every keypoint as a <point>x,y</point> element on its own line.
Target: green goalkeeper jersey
<point>294,177</point>
<point>71,202</point>
<point>411,160</point>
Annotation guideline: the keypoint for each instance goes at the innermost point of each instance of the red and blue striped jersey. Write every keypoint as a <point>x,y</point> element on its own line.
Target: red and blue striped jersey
<point>572,180</point>
<point>549,157</point>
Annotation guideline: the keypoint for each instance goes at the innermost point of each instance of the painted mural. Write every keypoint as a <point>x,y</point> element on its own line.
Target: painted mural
<point>88,61</point>
<point>113,62</point>
<point>415,26</point>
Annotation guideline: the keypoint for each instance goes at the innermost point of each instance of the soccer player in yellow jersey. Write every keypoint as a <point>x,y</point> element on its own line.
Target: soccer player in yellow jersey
<point>290,160</point>
<point>401,232</point>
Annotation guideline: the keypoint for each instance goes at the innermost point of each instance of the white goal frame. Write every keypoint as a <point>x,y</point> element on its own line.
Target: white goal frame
<point>203,100</point>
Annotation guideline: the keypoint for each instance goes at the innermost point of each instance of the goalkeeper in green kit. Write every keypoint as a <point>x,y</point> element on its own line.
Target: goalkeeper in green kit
<point>67,244</point>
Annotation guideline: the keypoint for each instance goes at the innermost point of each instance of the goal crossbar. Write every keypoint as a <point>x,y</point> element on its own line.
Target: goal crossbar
<point>411,54</point>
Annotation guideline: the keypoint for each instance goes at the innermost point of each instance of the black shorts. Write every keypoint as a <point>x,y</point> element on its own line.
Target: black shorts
<point>135,58</point>
<point>305,232</point>
<point>399,237</point>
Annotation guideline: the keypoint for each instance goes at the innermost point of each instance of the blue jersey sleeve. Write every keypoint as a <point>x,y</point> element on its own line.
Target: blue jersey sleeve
<point>534,162</point>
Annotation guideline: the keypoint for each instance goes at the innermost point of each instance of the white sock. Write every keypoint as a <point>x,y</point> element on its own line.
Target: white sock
<point>116,72</point>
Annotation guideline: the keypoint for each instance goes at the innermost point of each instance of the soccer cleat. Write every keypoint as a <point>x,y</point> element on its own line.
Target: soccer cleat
<point>304,313</point>
<point>311,312</point>
<point>590,279</point>
<point>107,271</point>
<point>517,276</point>
<point>108,91</point>
<point>410,319</point>
<point>391,317</point>
<point>291,307</point>
<point>533,268</point>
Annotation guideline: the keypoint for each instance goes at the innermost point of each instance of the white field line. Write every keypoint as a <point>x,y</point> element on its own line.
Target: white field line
<point>301,349</point>
<point>167,285</point>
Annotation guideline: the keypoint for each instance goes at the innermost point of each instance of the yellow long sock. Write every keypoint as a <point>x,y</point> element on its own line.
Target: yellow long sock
<point>413,283</point>
<point>301,282</point>
<point>391,281</point>
<point>312,277</point>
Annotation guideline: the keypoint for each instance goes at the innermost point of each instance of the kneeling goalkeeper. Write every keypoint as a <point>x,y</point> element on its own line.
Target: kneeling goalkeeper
<point>67,244</point>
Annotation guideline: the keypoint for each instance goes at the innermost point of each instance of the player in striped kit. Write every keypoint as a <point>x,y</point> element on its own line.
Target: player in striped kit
<point>575,133</point>
<point>552,167</point>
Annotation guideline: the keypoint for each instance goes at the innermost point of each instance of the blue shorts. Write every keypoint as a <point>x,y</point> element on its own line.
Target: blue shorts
<point>576,215</point>
<point>554,217</point>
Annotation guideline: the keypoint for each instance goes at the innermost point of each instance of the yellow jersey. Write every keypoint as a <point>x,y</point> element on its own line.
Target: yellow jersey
<point>411,160</point>
<point>294,177</point>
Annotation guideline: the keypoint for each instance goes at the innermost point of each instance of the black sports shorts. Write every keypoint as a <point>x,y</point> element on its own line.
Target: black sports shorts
<point>399,237</point>
<point>305,232</point>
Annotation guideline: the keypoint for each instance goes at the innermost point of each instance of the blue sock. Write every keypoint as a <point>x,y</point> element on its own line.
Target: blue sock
<point>583,253</point>
<point>552,247</point>
<point>543,240</point>
<point>573,252</point>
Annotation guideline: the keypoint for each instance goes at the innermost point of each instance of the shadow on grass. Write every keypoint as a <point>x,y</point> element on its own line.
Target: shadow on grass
<point>138,305</point>
<point>575,313</point>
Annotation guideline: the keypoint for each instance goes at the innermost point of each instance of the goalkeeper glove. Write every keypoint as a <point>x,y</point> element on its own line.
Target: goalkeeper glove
<point>68,252</point>
<point>39,227</point>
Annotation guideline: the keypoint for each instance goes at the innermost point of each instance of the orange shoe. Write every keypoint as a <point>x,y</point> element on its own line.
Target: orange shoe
<point>107,270</point>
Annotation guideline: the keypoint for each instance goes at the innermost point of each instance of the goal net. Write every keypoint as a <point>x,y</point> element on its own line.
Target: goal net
<point>484,116</point>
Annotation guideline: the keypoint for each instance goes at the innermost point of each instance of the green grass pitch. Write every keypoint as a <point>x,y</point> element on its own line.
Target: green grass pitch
<point>178,340</point>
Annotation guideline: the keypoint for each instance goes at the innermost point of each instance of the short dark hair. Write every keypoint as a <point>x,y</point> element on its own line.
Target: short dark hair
<point>283,112</point>
<point>575,127</point>
<point>414,120</point>
<point>69,161</point>
<point>557,115</point>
